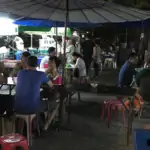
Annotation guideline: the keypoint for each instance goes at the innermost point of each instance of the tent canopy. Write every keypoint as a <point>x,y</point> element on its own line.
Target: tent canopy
<point>81,11</point>
<point>143,24</point>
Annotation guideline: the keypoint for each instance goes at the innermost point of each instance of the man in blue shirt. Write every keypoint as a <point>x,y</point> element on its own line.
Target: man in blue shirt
<point>127,71</point>
<point>29,80</point>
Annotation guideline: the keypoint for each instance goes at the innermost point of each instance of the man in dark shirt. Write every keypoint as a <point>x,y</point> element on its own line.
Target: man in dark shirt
<point>87,47</point>
<point>127,71</point>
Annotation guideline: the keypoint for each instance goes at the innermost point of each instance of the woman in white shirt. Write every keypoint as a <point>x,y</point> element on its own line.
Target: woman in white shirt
<point>45,60</point>
<point>79,64</point>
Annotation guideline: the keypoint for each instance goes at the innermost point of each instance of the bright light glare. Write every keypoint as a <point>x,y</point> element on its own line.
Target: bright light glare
<point>75,33</point>
<point>7,27</point>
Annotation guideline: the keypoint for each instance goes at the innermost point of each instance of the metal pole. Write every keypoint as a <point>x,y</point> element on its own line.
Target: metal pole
<point>56,39</point>
<point>126,35</point>
<point>31,41</point>
<point>66,22</point>
<point>130,119</point>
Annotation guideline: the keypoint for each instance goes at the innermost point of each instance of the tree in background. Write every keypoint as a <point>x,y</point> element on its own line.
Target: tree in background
<point>142,4</point>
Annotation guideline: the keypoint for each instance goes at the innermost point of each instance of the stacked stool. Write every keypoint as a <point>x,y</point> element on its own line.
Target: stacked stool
<point>11,141</point>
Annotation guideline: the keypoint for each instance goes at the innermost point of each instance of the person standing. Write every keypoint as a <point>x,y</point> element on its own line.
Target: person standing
<point>70,49</point>
<point>96,58</point>
<point>87,48</point>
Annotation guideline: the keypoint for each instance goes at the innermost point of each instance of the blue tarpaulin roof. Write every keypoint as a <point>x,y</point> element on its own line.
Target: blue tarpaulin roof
<point>48,23</point>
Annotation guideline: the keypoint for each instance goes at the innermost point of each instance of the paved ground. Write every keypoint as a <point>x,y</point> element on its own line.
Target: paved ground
<point>88,131</point>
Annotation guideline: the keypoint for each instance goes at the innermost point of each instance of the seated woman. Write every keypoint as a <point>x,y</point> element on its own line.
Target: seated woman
<point>79,67</point>
<point>53,65</point>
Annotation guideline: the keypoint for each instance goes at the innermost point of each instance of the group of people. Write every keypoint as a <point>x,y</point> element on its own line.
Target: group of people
<point>29,79</point>
<point>89,54</point>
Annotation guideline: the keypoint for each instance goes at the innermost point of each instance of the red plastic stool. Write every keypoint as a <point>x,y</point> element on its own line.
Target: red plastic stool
<point>117,106</point>
<point>11,141</point>
<point>105,106</point>
<point>111,105</point>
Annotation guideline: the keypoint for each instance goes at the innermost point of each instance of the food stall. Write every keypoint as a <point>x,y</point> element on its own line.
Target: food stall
<point>46,41</point>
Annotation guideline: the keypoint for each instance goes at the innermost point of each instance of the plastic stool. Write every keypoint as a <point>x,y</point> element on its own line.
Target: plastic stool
<point>111,105</point>
<point>11,141</point>
<point>28,119</point>
<point>142,139</point>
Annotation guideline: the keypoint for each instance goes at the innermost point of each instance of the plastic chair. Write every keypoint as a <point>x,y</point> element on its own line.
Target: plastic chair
<point>112,105</point>
<point>11,141</point>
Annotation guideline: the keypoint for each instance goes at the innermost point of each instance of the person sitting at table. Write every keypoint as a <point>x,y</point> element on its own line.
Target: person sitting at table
<point>21,65</point>
<point>53,65</point>
<point>127,71</point>
<point>79,67</point>
<point>51,52</point>
<point>29,80</point>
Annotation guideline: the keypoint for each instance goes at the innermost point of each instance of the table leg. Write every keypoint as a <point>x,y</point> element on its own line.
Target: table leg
<point>132,113</point>
<point>59,125</point>
<point>128,130</point>
<point>130,119</point>
<point>79,97</point>
<point>61,103</point>
<point>69,105</point>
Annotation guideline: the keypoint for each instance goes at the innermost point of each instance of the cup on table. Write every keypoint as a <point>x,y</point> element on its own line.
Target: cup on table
<point>12,80</point>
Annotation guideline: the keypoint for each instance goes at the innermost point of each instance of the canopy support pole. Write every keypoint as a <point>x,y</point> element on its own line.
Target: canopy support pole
<point>126,35</point>
<point>66,22</point>
<point>31,44</point>
<point>56,39</point>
